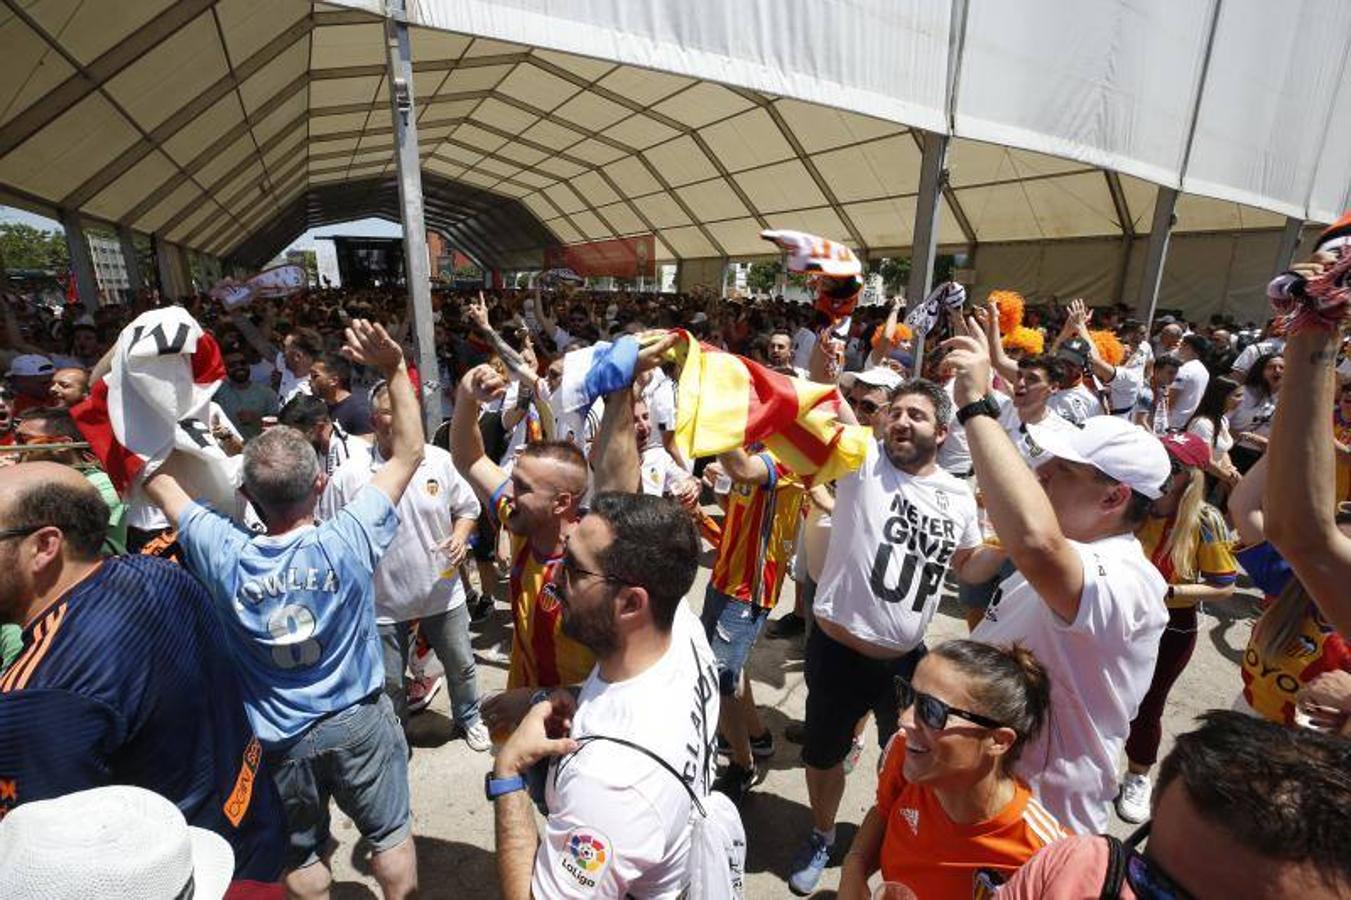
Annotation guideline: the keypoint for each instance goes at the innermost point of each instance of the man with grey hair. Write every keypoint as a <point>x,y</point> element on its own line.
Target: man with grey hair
<point>299,612</point>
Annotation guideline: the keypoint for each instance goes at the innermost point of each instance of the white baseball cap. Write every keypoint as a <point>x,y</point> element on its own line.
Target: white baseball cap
<point>110,842</point>
<point>30,364</point>
<point>1113,446</point>
<point>878,376</point>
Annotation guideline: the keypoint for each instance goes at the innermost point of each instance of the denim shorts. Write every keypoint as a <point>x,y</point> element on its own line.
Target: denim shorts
<point>357,757</point>
<point>731,626</point>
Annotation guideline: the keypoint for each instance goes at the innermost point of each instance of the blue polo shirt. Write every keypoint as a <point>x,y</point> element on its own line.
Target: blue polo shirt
<point>298,609</point>
<point>126,679</point>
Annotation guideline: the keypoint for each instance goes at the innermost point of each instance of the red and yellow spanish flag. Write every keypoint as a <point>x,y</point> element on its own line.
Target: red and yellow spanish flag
<point>724,401</point>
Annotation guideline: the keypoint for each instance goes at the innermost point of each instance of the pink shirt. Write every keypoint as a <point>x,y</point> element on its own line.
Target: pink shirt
<point>1069,869</point>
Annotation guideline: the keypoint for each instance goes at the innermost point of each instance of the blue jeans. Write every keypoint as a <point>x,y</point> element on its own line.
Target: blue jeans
<point>357,757</point>
<point>731,626</point>
<point>448,634</point>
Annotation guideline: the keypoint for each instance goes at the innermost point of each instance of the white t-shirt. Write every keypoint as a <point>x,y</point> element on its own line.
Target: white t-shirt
<point>893,535</point>
<point>659,395</point>
<point>619,824</point>
<point>1033,455</point>
<point>1250,353</point>
<point>1190,385</point>
<point>660,472</point>
<point>412,579</point>
<point>1124,389</point>
<point>516,439</point>
<point>1077,404</point>
<point>1100,666</point>
<point>804,339</point>
<point>954,454</point>
<point>291,384</point>
<point>1253,413</point>
<point>1205,430</point>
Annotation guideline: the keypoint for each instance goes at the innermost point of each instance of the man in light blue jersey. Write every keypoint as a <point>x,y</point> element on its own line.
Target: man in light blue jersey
<point>299,612</point>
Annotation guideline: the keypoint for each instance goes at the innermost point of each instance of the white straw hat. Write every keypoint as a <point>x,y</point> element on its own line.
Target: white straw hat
<point>116,842</point>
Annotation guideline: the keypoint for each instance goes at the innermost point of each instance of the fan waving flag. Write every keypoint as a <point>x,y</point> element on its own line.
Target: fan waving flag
<point>156,400</point>
<point>724,401</point>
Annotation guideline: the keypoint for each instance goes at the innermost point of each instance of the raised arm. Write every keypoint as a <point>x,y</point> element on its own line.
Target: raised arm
<point>1079,317</point>
<point>1300,498</point>
<point>615,457</point>
<point>1245,504</point>
<point>1020,510</point>
<point>1004,365</point>
<point>368,344</point>
<point>479,385</point>
<point>547,323</point>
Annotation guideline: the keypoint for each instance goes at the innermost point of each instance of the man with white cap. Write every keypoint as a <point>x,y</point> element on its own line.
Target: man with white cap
<point>30,374</point>
<point>1085,598</point>
<point>117,841</point>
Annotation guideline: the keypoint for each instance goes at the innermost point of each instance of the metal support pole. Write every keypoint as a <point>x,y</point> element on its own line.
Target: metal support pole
<point>924,237</point>
<point>170,279</point>
<point>1160,230</point>
<point>86,285</point>
<point>417,271</point>
<point>130,258</point>
<point>1285,254</point>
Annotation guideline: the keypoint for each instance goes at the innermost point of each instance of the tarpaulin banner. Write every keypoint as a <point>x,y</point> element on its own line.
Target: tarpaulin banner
<point>629,257</point>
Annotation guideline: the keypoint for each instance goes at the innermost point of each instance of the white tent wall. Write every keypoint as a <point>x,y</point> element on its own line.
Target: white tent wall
<point>1231,100</point>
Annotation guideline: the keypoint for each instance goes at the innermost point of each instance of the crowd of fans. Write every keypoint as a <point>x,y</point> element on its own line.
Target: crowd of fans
<point>1083,483</point>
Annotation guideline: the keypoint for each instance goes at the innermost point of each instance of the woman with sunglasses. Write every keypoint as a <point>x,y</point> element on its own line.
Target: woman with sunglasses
<point>950,815</point>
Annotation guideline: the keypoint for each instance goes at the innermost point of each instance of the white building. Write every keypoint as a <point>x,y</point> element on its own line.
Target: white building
<point>110,268</point>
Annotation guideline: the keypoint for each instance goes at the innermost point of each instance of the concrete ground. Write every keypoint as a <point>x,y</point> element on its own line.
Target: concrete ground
<point>453,824</point>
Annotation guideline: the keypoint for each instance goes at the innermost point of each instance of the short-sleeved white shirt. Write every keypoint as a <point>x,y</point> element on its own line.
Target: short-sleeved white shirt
<point>412,579</point>
<point>1100,666</point>
<point>1077,404</point>
<point>1017,432</point>
<point>804,339</point>
<point>1190,384</point>
<point>892,538</point>
<point>619,824</point>
<point>659,395</point>
<point>1250,353</point>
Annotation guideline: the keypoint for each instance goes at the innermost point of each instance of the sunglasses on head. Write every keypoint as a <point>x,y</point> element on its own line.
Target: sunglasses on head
<point>933,713</point>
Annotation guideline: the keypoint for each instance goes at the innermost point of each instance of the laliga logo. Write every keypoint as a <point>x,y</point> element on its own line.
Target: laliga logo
<point>587,851</point>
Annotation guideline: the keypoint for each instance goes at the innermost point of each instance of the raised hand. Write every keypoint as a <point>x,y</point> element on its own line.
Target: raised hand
<point>483,384</point>
<point>969,358</point>
<point>368,344</point>
<point>476,311</point>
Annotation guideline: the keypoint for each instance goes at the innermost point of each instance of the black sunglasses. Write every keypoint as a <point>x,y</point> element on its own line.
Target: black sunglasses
<point>1146,877</point>
<point>932,712</point>
<point>22,531</point>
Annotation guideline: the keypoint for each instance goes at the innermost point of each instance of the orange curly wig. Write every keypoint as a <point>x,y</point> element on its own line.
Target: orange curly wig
<point>1028,340</point>
<point>900,333</point>
<point>1010,310</point>
<point>1109,348</point>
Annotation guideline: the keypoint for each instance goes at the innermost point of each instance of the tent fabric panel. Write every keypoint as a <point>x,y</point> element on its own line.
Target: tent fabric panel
<point>70,150</point>
<point>348,45</point>
<point>29,68</point>
<point>687,242</point>
<point>591,187</point>
<point>786,185</point>
<point>739,237</point>
<point>643,86</point>
<point>566,233</point>
<point>564,198</point>
<point>702,103</point>
<point>747,140</point>
<point>178,69</point>
<point>581,66</point>
<point>504,116</point>
<point>820,128</point>
<point>289,65</point>
<point>640,132</point>
<point>592,111</point>
<point>1330,194</point>
<point>821,220</point>
<point>118,198</point>
<point>662,211</point>
<point>623,218</point>
<point>1260,127</point>
<point>326,92</point>
<point>681,162</point>
<point>591,226</point>
<point>178,199</point>
<point>884,223</point>
<point>204,130</point>
<point>880,168</point>
<point>1119,95</point>
<point>88,30</point>
<point>712,201</point>
<point>538,88</point>
<point>248,25</point>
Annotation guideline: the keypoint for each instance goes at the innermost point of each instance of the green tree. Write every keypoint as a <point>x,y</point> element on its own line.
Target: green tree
<point>25,247</point>
<point>762,277</point>
<point>895,272</point>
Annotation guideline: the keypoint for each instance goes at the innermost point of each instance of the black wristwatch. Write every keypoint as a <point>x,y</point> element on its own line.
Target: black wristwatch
<point>985,406</point>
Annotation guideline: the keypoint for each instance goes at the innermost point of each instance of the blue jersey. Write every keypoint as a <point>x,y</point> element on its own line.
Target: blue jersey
<point>298,608</point>
<point>125,679</point>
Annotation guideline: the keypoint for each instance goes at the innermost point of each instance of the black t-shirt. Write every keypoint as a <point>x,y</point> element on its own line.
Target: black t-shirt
<point>127,679</point>
<point>353,414</point>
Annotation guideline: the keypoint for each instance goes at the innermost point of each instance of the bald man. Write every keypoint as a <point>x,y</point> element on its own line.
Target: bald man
<point>123,677</point>
<point>69,386</point>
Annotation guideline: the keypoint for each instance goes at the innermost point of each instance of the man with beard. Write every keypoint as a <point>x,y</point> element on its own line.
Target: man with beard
<point>244,401</point>
<point>539,504</point>
<point>619,814</point>
<point>331,381</point>
<point>899,523</point>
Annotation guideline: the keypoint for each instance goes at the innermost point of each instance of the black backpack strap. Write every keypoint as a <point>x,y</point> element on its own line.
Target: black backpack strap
<point>1115,878</point>
<point>694,798</point>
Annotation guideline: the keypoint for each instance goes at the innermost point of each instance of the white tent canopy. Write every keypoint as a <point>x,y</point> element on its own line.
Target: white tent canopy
<point>230,126</point>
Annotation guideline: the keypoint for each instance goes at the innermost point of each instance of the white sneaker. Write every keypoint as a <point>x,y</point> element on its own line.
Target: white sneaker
<point>1132,804</point>
<point>477,737</point>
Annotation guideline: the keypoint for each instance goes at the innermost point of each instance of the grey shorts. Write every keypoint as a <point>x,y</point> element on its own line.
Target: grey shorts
<point>357,757</point>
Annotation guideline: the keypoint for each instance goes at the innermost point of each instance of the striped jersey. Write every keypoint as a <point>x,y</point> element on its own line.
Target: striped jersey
<point>126,679</point>
<point>758,535</point>
<point>937,857</point>
<point>541,655</point>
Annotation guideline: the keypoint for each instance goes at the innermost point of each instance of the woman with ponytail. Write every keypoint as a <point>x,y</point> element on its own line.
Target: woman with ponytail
<point>1187,540</point>
<point>950,814</point>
